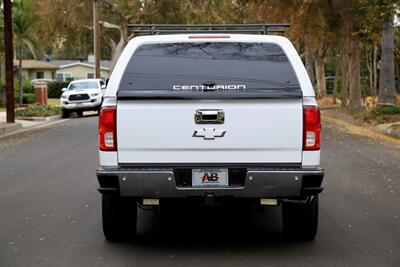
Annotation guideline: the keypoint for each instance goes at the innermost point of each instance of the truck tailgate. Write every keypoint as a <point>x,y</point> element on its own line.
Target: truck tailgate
<point>255,131</point>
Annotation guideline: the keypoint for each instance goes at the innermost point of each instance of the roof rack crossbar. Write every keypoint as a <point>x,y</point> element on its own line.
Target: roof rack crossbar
<point>155,29</point>
<point>205,31</point>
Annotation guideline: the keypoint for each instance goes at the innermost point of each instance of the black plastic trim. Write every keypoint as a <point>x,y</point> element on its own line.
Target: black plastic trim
<point>155,29</point>
<point>109,191</point>
<point>292,166</point>
<point>311,177</point>
<point>136,94</point>
<point>311,191</point>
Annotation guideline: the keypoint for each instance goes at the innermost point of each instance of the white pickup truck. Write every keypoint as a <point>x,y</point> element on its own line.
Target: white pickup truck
<point>209,117</point>
<point>82,95</point>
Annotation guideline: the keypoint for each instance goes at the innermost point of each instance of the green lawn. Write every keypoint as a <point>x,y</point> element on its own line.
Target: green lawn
<point>53,101</point>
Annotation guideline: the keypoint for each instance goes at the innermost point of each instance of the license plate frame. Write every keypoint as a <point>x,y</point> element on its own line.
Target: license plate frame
<point>210,177</point>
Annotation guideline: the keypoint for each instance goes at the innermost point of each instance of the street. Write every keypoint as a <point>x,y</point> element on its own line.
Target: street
<point>50,212</point>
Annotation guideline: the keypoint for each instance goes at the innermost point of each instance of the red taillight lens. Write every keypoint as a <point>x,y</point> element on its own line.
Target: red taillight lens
<point>311,128</point>
<point>108,129</point>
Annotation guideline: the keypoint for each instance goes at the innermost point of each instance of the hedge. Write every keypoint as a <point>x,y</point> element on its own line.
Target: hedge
<point>28,98</point>
<point>387,110</point>
<point>54,89</point>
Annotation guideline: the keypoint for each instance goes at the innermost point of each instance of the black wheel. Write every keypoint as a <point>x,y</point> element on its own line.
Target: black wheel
<point>119,217</point>
<point>79,113</point>
<point>64,113</point>
<point>300,220</point>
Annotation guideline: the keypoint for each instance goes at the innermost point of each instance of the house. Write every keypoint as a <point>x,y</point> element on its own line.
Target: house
<point>35,69</point>
<point>76,69</point>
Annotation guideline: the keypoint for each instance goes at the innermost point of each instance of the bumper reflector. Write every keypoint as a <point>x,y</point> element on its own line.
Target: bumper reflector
<point>269,201</point>
<point>151,201</point>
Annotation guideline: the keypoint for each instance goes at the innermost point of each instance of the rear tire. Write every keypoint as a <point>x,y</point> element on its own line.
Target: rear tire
<point>119,217</point>
<point>65,114</point>
<point>300,220</point>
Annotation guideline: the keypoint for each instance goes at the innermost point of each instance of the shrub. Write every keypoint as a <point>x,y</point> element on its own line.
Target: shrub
<point>54,89</point>
<point>38,111</point>
<point>2,95</point>
<point>387,110</point>
<point>379,114</point>
<point>29,98</point>
<point>26,86</point>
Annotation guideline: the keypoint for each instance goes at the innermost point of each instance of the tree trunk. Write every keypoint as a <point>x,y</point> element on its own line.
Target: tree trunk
<point>375,67</point>
<point>354,74</point>
<point>335,82</point>
<point>123,39</point>
<point>344,88</point>
<point>2,88</point>
<point>320,76</point>
<point>21,88</point>
<point>309,65</point>
<point>117,53</point>
<point>387,91</point>
<point>352,41</point>
<point>368,63</point>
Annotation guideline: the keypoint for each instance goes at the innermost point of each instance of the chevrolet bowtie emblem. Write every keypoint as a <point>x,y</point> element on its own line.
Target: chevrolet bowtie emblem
<point>209,133</point>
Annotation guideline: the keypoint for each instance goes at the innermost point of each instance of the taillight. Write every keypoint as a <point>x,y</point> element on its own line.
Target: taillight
<point>108,129</point>
<point>311,128</point>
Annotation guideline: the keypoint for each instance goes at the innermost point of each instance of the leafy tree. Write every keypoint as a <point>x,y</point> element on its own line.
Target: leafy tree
<point>215,11</point>
<point>352,15</point>
<point>66,25</point>
<point>313,28</point>
<point>22,24</point>
<point>345,33</point>
<point>121,13</point>
<point>387,90</point>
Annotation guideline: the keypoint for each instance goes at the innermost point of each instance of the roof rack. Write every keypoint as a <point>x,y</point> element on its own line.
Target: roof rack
<point>156,29</point>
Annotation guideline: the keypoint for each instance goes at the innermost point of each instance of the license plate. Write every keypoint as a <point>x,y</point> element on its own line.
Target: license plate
<point>210,178</point>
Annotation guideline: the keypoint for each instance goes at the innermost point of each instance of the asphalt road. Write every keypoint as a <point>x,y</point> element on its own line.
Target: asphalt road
<point>50,210</point>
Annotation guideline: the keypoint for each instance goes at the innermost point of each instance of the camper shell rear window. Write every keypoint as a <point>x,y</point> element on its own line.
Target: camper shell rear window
<point>209,70</point>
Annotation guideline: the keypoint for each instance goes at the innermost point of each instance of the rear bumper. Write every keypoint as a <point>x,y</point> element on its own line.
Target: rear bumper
<point>255,183</point>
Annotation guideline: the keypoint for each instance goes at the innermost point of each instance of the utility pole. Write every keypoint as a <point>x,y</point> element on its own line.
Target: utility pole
<point>96,38</point>
<point>9,61</point>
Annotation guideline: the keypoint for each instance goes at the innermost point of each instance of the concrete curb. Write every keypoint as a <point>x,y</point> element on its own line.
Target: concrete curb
<point>6,131</point>
<point>23,130</point>
<point>341,116</point>
<point>347,118</point>
<point>7,128</point>
<point>393,132</point>
<point>43,119</point>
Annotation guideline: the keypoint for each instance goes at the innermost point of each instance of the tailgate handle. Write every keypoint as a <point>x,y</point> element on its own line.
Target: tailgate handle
<point>209,116</point>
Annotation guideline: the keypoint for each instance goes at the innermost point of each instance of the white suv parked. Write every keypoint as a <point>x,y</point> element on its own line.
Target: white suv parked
<point>208,118</point>
<point>82,95</point>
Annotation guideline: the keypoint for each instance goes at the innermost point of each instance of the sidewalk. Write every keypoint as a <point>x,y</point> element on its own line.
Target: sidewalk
<point>8,128</point>
<point>381,128</point>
